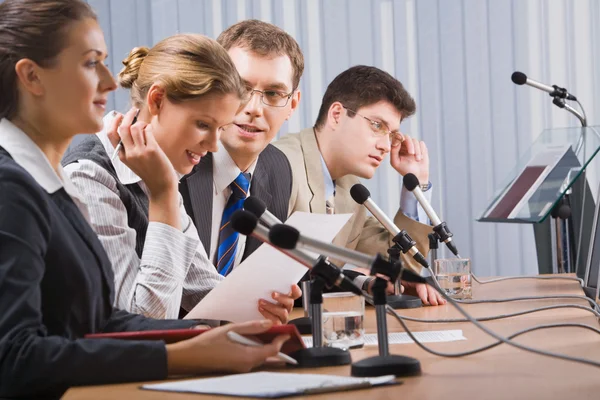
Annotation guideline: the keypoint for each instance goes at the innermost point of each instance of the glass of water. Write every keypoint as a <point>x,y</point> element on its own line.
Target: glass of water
<point>454,276</point>
<point>343,320</point>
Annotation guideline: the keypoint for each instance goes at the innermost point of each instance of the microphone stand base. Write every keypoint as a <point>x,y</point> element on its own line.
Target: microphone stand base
<point>386,365</point>
<point>303,324</point>
<point>402,301</point>
<point>315,357</point>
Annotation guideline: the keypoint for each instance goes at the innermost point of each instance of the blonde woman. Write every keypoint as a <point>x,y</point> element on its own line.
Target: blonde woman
<point>185,90</point>
<point>56,281</point>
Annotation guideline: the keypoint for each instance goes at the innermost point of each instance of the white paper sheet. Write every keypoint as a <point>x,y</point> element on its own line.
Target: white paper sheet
<point>267,384</point>
<point>266,270</point>
<point>403,338</point>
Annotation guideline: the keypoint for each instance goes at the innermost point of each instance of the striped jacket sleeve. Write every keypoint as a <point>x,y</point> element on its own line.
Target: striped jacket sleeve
<point>172,261</point>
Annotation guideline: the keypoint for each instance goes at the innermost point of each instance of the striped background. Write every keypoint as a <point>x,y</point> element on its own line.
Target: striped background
<point>454,56</point>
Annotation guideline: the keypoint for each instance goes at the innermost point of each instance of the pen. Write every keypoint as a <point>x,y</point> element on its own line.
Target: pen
<point>236,337</point>
<point>120,145</point>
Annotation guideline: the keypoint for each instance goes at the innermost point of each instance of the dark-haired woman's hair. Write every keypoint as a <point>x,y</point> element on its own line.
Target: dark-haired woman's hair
<point>36,30</point>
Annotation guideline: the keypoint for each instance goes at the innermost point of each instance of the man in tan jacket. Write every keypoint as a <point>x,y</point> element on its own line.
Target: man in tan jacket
<point>357,125</point>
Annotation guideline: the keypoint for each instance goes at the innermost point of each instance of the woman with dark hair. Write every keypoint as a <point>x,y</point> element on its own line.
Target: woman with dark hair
<point>56,281</point>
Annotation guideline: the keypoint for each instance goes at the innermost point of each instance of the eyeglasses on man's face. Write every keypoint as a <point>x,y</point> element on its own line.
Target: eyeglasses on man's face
<point>272,98</point>
<point>380,129</point>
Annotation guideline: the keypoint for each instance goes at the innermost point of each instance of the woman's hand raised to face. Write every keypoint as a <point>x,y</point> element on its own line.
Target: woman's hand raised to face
<point>213,351</point>
<point>141,153</point>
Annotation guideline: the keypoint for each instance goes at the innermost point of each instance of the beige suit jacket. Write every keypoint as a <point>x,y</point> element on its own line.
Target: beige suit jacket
<point>363,233</point>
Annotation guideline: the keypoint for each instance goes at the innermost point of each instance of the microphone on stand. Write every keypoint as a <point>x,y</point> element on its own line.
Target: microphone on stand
<point>257,207</point>
<point>361,195</point>
<point>324,273</point>
<point>411,183</point>
<point>246,223</point>
<point>520,78</point>
<point>288,237</point>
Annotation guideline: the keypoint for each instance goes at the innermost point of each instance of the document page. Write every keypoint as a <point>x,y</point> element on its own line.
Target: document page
<point>266,270</point>
<point>270,384</point>
<point>403,338</point>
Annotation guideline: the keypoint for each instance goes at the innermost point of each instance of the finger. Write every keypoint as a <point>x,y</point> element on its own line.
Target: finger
<point>417,147</point>
<point>274,312</point>
<point>137,134</point>
<point>124,129</point>
<point>286,301</point>
<point>390,289</point>
<point>431,293</point>
<point>402,289</point>
<point>296,292</point>
<point>270,349</point>
<point>112,127</point>
<point>248,328</point>
<point>409,145</point>
<point>424,150</point>
<point>422,293</point>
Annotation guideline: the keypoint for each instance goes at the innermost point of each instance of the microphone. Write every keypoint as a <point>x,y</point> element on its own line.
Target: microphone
<point>257,207</point>
<point>287,237</point>
<point>246,223</point>
<point>520,78</point>
<point>411,183</point>
<point>361,195</point>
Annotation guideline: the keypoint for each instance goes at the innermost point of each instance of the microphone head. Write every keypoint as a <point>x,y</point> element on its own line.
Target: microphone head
<point>410,182</point>
<point>519,78</point>
<point>284,236</point>
<point>255,205</point>
<point>244,222</point>
<point>359,193</point>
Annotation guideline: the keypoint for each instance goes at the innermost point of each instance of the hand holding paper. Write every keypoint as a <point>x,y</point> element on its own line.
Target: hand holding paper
<point>265,271</point>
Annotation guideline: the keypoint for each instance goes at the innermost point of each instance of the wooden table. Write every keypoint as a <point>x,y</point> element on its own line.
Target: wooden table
<point>501,373</point>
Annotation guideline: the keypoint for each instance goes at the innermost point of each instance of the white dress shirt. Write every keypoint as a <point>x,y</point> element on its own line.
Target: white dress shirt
<point>224,172</point>
<point>173,270</point>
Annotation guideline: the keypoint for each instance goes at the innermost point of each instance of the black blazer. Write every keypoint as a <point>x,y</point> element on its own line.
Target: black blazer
<point>271,182</point>
<point>56,285</point>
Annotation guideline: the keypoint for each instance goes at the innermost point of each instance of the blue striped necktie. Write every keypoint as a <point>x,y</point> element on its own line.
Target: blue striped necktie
<point>228,238</point>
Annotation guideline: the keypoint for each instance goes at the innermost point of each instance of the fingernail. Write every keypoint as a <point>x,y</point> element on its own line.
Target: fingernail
<point>265,322</point>
<point>275,295</point>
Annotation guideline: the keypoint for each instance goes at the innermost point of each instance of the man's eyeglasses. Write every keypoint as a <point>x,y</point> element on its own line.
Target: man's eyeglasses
<point>381,129</point>
<point>272,98</point>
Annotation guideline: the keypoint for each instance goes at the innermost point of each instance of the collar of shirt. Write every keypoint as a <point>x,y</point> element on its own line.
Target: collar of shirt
<point>329,184</point>
<point>33,160</point>
<point>124,173</point>
<point>225,170</point>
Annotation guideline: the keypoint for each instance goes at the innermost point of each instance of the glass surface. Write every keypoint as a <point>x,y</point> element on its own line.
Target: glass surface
<point>343,320</point>
<point>542,175</point>
<point>454,276</point>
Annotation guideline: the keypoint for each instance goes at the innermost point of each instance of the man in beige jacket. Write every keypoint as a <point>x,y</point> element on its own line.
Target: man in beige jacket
<point>357,125</point>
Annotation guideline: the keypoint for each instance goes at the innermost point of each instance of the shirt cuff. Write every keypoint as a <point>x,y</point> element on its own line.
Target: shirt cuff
<point>411,207</point>
<point>169,250</point>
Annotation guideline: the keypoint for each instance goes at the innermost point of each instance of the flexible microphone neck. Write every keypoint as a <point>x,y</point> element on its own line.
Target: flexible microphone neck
<point>402,239</point>
<point>411,183</point>
<point>246,223</point>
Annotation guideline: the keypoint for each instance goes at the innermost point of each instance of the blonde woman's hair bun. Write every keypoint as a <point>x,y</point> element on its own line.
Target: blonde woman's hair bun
<point>132,64</point>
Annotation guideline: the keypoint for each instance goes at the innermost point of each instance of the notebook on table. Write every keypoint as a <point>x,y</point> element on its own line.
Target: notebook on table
<point>293,344</point>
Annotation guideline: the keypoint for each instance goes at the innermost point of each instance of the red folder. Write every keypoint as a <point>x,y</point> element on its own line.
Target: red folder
<point>293,344</point>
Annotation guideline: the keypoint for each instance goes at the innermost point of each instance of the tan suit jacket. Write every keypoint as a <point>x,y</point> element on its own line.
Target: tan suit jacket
<point>363,233</point>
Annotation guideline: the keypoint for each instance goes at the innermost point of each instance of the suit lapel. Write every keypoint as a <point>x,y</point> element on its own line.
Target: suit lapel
<point>259,190</point>
<point>314,170</point>
<point>197,192</point>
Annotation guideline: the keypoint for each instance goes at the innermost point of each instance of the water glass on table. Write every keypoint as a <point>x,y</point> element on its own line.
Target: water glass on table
<point>454,276</point>
<point>343,320</point>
